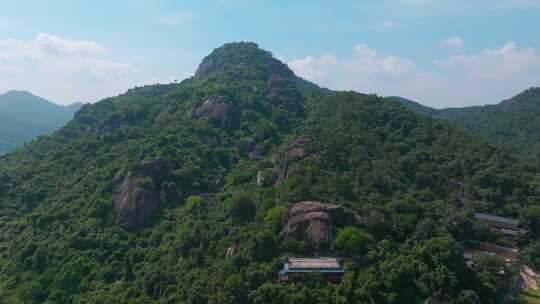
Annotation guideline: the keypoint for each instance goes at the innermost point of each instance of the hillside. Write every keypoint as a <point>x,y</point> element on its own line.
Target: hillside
<point>24,116</point>
<point>178,193</point>
<point>512,123</point>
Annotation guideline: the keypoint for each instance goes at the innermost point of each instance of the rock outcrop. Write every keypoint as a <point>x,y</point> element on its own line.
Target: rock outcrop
<point>250,148</point>
<point>138,199</point>
<point>276,82</point>
<point>299,149</point>
<point>313,222</point>
<point>266,177</point>
<point>216,107</point>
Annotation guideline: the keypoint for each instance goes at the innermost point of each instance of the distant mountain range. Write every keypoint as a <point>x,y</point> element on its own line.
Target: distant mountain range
<point>513,122</point>
<point>24,116</point>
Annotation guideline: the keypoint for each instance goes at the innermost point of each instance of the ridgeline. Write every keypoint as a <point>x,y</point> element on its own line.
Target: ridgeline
<point>178,193</point>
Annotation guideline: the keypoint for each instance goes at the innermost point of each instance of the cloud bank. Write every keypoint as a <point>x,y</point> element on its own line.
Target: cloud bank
<point>63,68</point>
<point>461,79</point>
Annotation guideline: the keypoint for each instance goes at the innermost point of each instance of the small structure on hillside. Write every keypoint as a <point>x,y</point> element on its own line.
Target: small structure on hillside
<point>330,268</point>
<point>508,227</point>
<point>505,225</point>
<point>509,254</point>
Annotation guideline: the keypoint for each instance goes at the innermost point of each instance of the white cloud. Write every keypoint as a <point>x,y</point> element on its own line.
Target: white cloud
<point>61,69</point>
<point>488,76</point>
<point>178,18</point>
<point>498,64</point>
<point>453,43</point>
<point>55,45</point>
<point>365,69</point>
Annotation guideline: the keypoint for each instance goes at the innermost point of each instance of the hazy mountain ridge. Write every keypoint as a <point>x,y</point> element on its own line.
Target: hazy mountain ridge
<point>512,123</point>
<point>24,116</point>
<point>214,164</point>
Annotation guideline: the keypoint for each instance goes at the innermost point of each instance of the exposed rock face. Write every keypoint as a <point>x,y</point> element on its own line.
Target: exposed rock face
<point>135,205</point>
<point>138,199</point>
<point>215,107</point>
<point>266,177</point>
<point>256,153</point>
<point>155,169</point>
<point>207,67</point>
<point>300,148</point>
<point>335,211</point>
<point>249,147</point>
<point>313,222</point>
<point>276,82</point>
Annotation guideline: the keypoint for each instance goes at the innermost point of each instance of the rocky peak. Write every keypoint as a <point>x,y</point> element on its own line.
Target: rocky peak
<point>241,54</point>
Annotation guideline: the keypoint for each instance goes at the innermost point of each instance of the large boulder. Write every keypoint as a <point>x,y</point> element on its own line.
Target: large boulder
<point>215,107</point>
<point>135,205</point>
<point>313,222</point>
<point>335,211</point>
<point>299,149</point>
<point>138,198</point>
<point>250,148</point>
<point>156,169</point>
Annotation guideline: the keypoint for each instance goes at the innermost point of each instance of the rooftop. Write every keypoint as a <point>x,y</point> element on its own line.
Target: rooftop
<point>303,265</point>
<point>313,263</point>
<point>498,219</point>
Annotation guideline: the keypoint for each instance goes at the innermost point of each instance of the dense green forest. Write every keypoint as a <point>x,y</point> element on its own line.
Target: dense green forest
<point>24,116</point>
<point>217,160</point>
<point>512,123</point>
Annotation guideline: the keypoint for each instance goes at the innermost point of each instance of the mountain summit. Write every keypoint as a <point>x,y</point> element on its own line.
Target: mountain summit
<point>241,55</point>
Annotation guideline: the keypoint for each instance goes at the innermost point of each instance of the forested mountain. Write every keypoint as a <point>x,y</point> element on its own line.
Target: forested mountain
<point>513,123</point>
<point>24,116</point>
<point>177,194</point>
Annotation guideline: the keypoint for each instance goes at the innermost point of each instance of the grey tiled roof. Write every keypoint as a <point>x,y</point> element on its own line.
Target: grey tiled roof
<point>498,219</point>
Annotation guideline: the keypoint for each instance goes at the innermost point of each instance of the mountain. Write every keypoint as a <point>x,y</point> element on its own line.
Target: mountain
<point>24,116</point>
<point>181,193</point>
<point>512,123</point>
<point>415,106</point>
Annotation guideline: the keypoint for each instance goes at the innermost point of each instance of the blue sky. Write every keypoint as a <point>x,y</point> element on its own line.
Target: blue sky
<point>440,53</point>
